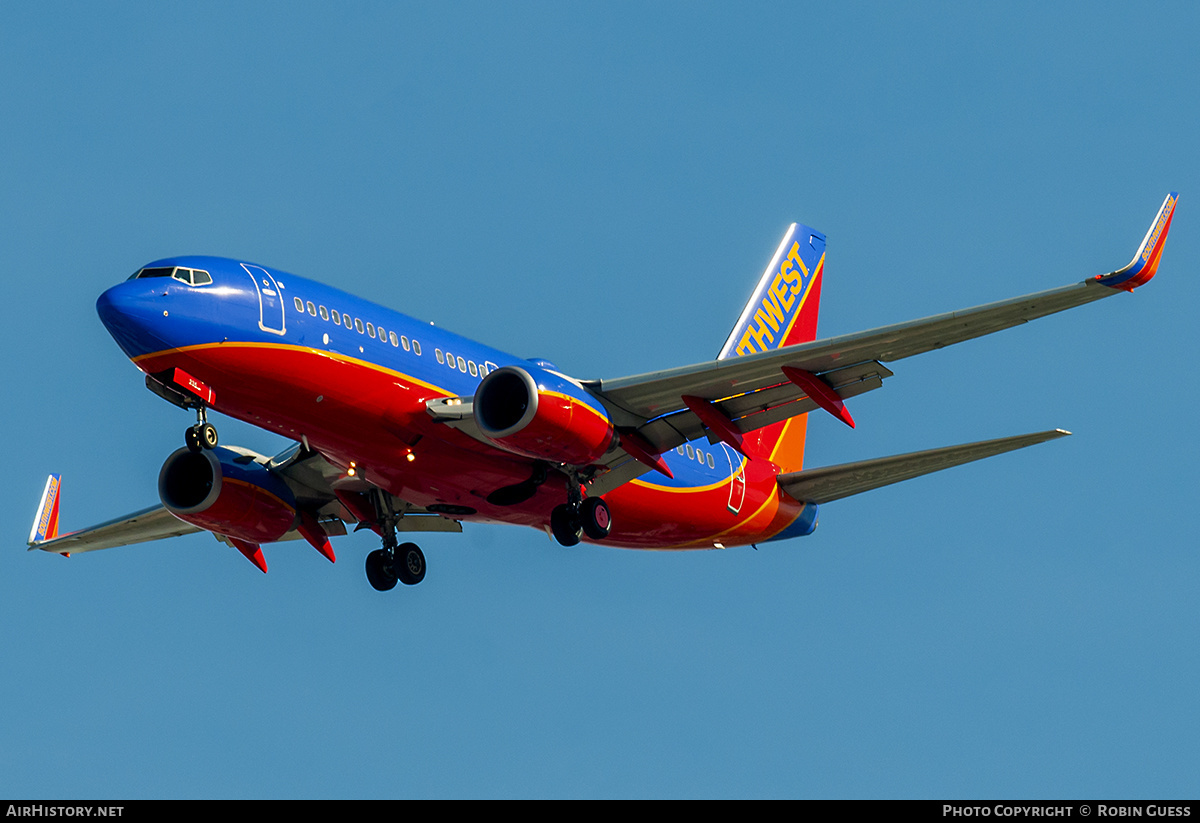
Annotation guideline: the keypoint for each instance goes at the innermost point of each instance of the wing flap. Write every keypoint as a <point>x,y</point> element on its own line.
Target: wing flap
<point>754,410</point>
<point>835,482</point>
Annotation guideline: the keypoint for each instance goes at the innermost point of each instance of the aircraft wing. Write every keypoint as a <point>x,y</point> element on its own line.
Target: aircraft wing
<point>153,523</point>
<point>752,390</point>
<point>309,475</point>
<point>835,482</point>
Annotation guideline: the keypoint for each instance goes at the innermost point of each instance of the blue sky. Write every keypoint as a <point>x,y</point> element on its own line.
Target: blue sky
<point>601,185</point>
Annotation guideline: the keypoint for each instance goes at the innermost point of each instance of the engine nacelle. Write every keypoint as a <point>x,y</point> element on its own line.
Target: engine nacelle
<point>224,491</point>
<point>537,414</point>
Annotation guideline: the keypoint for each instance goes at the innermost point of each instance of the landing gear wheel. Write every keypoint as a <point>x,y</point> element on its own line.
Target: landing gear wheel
<point>208,435</point>
<point>596,518</point>
<point>410,564</point>
<point>565,525</point>
<point>192,438</point>
<point>379,571</point>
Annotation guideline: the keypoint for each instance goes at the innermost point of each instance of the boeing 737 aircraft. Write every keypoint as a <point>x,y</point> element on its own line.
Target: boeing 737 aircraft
<point>403,427</point>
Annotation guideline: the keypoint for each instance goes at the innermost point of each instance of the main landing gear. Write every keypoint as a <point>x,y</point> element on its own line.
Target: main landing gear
<point>203,435</point>
<point>404,563</point>
<point>579,516</point>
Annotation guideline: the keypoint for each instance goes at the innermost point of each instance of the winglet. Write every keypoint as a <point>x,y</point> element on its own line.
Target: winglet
<point>1145,262</point>
<point>45,522</point>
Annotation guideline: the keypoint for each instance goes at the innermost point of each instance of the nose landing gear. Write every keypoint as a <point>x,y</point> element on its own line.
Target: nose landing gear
<point>203,435</point>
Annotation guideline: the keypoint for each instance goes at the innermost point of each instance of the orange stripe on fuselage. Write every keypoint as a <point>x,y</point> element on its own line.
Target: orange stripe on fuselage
<point>356,361</point>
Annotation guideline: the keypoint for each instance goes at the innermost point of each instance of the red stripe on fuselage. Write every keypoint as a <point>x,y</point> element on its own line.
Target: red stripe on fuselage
<point>352,410</point>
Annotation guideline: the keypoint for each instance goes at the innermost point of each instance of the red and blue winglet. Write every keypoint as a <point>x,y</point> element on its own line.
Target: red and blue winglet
<point>1145,262</point>
<point>45,522</point>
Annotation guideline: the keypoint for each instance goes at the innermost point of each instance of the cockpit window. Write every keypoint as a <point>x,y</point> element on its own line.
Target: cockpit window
<point>193,277</point>
<point>162,272</point>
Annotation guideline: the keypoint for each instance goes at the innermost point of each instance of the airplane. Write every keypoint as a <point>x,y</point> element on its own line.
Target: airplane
<point>401,426</point>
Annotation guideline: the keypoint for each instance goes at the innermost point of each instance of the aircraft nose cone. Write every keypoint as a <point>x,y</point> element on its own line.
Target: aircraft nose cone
<point>108,306</point>
<point>128,312</point>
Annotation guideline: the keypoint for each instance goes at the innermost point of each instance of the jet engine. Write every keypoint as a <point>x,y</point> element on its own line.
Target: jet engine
<point>535,413</point>
<point>227,492</point>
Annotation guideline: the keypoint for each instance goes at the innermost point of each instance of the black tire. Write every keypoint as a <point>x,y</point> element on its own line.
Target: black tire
<point>379,571</point>
<point>565,525</point>
<point>410,564</point>
<point>208,436</point>
<point>596,518</point>
<point>192,438</point>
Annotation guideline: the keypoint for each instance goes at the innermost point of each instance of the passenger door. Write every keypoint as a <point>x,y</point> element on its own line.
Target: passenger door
<point>270,301</point>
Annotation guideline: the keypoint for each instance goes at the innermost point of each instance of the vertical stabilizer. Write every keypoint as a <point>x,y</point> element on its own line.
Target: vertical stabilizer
<point>782,311</point>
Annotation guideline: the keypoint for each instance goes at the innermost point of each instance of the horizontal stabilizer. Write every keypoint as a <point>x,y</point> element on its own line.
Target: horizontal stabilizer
<point>835,482</point>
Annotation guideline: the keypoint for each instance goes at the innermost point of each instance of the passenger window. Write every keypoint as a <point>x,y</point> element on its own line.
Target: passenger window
<point>346,321</point>
<point>299,305</point>
<point>393,339</point>
<point>441,358</point>
<point>473,369</point>
<point>679,449</point>
<point>416,348</point>
<point>358,326</point>
<point>324,313</point>
<point>370,330</point>
<point>699,456</point>
<point>711,464</point>
<point>337,318</point>
<point>462,365</point>
<point>449,360</point>
<point>312,309</point>
<point>690,451</point>
<point>404,342</point>
<point>490,367</point>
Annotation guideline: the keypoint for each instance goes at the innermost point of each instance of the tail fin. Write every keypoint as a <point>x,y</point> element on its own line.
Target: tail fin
<point>782,312</point>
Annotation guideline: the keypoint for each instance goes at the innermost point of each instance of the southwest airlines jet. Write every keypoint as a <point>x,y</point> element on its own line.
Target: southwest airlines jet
<point>403,427</point>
